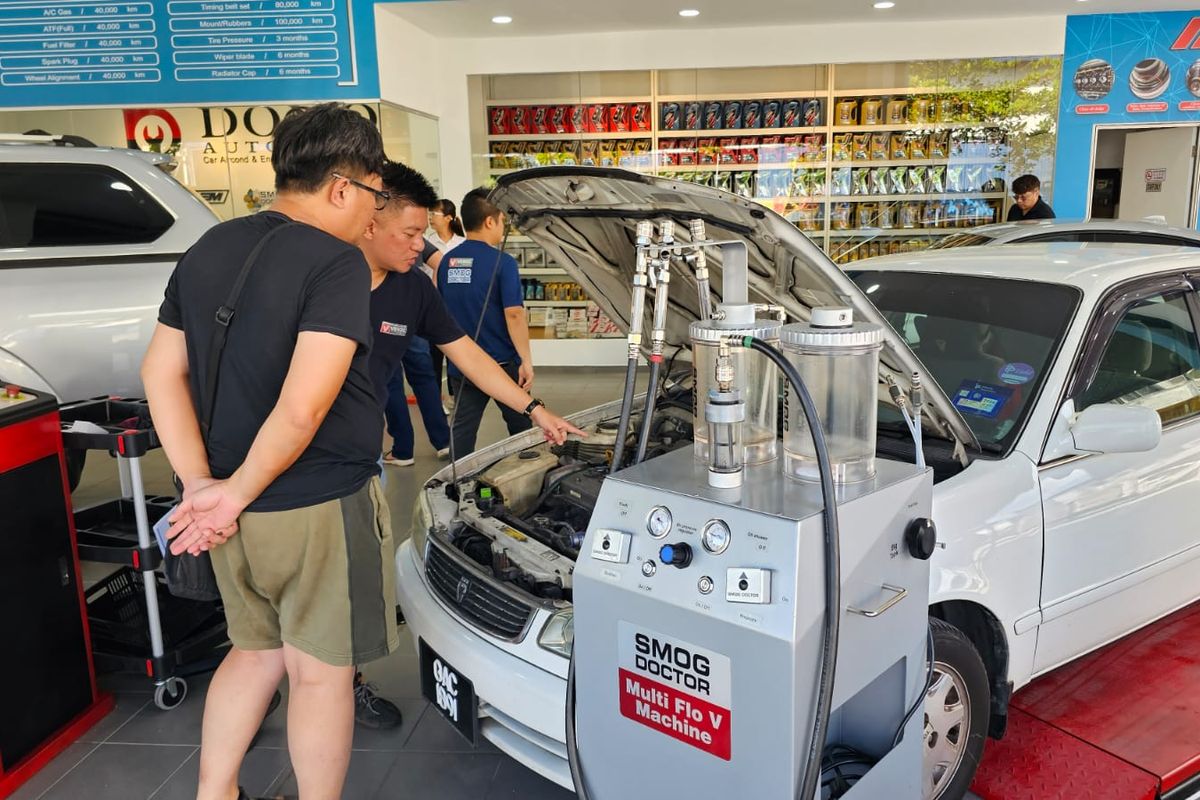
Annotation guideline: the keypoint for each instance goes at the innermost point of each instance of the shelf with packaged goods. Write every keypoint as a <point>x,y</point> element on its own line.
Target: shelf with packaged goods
<point>903,91</point>
<point>799,94</point>
<point>941,161</point>
<point>566,101</point>
<point>567,137</point>
<point>557,303</point>
<point>871,233</point>
<point>915,126</point>
<point>718,133</point>
<point>669,169</point>
<point>916,197</point>
<point>534,272</point>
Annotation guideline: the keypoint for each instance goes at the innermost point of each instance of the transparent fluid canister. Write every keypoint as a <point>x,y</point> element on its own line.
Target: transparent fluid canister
<point>757,380</point>
<point>838,360</point>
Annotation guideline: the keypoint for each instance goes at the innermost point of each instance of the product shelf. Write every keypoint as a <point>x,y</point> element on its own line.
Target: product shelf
<point>945,161</point>
<point>557,303</point>
<point>889,198</point>
<point>914,126</point>
<point>567,137</point>
<point>914,91</point>
<point>798,94</point>
<point>565,101</point>
<point>726,132</point>
<point>535,271</point>
<point>863,233</point>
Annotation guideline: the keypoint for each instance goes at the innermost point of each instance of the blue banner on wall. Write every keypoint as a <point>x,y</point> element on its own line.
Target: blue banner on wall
<point>1121,69</point>
<point>90,52</point>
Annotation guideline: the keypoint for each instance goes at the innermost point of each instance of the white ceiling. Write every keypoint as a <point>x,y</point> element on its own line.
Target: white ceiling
<point>472,18</point>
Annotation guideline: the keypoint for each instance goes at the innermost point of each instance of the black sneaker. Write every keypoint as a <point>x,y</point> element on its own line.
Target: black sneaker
<point>371,710</point>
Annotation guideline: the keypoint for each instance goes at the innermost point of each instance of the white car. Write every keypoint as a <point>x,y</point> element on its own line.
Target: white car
<point>88,238</point>
<point>1100,231</point>
<point>1063,437</point>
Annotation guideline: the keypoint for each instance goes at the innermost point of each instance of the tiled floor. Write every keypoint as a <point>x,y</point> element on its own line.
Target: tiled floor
<point>140,752</point>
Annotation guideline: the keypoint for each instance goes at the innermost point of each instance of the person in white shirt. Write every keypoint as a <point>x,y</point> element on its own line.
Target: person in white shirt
<point>446,234</point>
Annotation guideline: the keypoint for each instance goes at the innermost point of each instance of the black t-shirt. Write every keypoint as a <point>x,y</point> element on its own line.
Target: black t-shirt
<point>404,305</point>
<point>304,280</point>
<point>1041,210</point>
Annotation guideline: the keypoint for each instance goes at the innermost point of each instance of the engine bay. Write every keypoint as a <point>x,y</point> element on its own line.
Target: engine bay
<point>524,517</point>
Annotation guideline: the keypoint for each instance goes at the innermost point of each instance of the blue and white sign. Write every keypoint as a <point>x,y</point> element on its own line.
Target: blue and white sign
<point>1141,68</point>
<point>90,52</point>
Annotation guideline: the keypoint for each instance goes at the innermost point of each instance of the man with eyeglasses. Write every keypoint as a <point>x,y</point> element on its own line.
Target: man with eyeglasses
<point>1027,200</point>
<point>281,485</point>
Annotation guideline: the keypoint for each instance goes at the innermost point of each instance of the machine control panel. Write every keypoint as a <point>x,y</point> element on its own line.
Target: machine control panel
<point>611,546</point>
<point>748,585</point>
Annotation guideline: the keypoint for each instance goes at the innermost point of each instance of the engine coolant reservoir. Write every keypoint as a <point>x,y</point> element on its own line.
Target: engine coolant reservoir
<point>838,360</point>
<point>756,380</point>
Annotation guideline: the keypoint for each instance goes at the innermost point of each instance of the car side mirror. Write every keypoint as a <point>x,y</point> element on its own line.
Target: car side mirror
<point>1109,428</point>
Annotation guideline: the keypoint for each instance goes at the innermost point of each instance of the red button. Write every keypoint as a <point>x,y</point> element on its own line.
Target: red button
<point>12,390</point>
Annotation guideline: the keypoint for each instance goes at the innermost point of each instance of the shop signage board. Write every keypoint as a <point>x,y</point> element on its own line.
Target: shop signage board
<point>93,53</point>
<point>1121,69</point>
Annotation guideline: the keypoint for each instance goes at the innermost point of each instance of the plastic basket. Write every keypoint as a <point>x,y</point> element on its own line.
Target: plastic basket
<point>117,612</point>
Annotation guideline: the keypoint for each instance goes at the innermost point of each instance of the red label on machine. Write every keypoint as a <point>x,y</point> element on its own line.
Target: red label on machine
<point>1094,108</point>
<point>681,716</point>
<point>1146,108</point>
<point>675,688</point>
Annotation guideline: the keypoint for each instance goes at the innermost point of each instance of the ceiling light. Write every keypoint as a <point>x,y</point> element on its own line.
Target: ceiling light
<point>689,12</point>
<point>885,4</point>
<point>502,20</point>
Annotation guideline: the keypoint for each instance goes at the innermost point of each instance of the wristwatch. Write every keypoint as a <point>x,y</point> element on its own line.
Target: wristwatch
<point>534,403</point>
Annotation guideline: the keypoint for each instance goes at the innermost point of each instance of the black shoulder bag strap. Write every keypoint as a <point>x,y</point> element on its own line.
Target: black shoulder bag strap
<point>224,319</point>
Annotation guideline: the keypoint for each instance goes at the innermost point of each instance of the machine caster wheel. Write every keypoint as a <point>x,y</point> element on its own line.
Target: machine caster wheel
<point>170,693</point>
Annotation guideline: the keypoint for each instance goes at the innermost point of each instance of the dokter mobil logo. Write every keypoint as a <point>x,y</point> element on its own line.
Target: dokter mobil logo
<point>153,129</point>
<point>675,688</point>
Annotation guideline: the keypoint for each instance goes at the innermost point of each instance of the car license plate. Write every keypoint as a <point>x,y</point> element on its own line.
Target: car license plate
<point>451,693</point>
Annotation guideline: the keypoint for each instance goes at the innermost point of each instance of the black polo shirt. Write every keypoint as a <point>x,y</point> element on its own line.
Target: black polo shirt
<point>406,304</point>
<point>304,280</point>
<point>1041,210</point>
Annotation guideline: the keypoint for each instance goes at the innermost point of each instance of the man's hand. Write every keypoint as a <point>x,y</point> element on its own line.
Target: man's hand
<point>208,516</point>
<point>554,427</point>
<point>525,375</point>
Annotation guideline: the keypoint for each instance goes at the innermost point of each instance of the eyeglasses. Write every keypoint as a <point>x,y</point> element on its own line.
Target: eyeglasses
<point>382,198</point>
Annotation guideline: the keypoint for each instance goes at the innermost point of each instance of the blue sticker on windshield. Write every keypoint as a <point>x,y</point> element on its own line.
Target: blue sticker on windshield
<point>1017,374</point>
<point>981,399</point>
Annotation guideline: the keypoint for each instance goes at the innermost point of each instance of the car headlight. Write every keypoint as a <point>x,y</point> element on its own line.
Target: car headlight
<point>422,521</point>
<point>558,634</point>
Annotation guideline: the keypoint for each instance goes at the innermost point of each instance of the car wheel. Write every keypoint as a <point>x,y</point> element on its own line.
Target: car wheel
<point>75,462</point>
<point>957,707</point>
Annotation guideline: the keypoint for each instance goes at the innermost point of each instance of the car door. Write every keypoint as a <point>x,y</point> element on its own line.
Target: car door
<point>1121,544</point>
<point>82,272</point>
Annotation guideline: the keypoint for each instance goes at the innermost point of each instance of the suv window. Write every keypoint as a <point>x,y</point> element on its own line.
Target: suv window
<point>1152,359</point>
<point>48,205</point>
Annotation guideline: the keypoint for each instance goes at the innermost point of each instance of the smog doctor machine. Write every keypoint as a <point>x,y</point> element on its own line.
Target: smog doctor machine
<point>727,639</point>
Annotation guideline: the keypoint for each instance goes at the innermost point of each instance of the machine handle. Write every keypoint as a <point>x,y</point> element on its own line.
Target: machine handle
<point>898,595</point>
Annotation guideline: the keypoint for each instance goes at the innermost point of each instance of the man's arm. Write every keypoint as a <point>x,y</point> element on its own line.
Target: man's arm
<point>317,371</point>
<point>518,331</point>
<point>165,378</point>
<point>480,369</point>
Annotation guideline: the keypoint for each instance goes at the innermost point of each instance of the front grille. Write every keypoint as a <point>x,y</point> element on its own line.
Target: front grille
<point>474,598</point>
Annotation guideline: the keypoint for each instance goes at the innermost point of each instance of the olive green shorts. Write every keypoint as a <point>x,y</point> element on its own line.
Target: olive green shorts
<point>321,579</point>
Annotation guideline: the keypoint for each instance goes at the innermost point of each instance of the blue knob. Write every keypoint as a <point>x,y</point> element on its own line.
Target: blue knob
<point>677,555</point>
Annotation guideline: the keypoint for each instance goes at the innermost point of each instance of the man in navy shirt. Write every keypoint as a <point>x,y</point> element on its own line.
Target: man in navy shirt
<point>482,289</point>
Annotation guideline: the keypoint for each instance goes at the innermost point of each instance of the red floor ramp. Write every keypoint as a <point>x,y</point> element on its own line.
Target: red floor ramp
<point>1036,761</point>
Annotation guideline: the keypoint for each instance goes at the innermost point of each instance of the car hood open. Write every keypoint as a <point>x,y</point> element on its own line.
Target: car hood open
<point>585,219</point>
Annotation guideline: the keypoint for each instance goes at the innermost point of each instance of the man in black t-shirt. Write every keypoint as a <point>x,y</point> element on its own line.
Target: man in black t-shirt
<point>1027,200</point>
<point>405,303</point>
<point>282,489</point>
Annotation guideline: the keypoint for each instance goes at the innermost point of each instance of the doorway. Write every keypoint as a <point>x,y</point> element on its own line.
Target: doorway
<point>1146,173</point>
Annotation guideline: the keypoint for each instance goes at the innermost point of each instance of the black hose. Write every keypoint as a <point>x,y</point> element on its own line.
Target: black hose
<point>572,743</point>
<point>833,581</point>
<point>648,412</point>
<point>626,411</point>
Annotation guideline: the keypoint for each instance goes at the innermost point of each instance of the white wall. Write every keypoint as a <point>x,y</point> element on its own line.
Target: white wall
<point>421,72</point>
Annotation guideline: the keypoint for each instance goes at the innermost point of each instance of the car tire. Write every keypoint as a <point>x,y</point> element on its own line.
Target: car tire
<point>75,461</point>
<point>957,709</point>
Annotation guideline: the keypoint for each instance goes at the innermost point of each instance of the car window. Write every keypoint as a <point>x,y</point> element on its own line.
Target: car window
<point>1132,237</point>
<point>48,205</point>
<point>987,342</point>
<point>1152,360</point>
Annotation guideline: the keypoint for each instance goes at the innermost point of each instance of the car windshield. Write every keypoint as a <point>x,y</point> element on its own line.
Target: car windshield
<point>964,239</point>
<point>987,342</point>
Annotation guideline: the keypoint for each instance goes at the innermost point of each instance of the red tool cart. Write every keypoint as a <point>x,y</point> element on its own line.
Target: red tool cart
<point>48,695</point>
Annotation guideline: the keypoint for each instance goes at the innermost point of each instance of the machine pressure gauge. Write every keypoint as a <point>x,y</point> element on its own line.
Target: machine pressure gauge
<point>715,537</point>
<point>659,522</point>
